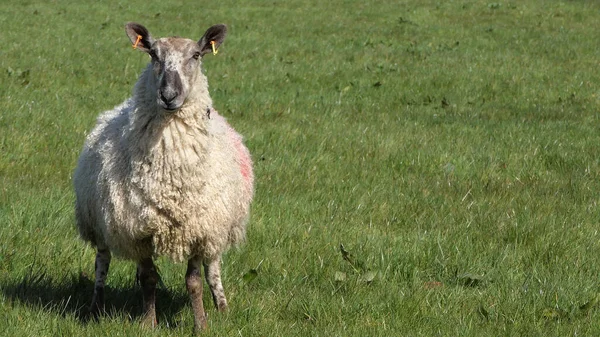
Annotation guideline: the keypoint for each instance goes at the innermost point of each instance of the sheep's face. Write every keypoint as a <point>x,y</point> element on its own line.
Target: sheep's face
<point>175,61</point>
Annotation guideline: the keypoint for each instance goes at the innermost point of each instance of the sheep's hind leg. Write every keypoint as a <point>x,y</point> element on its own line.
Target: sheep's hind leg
<point>148,278</point>
<point>193,282</point>
<point>212,272</point>
<point>101,270</point>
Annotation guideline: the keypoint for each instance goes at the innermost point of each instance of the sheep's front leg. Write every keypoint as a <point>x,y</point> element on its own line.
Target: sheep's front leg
<point>193,282</point>
<point>148,278</point>
<point>212,272</point>
<point>101,266</point>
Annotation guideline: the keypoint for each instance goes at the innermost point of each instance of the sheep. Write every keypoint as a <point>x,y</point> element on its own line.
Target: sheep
<point>163,174</point>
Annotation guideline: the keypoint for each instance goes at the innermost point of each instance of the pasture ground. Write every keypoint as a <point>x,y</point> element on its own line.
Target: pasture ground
<point>450,147</point>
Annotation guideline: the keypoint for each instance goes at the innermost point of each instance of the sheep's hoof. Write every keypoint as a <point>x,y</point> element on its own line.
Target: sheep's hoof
<point>149,321</point>
<point>200,323</point>
<point>200,329</point>
<point>222,307</point>
<point>95,311</point>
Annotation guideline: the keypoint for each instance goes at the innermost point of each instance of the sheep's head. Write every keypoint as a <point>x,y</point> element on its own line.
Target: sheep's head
<point>175,61</point>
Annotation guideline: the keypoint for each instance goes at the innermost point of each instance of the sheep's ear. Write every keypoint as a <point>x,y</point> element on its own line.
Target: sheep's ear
<point>134,30</point>
<point>215,33</point>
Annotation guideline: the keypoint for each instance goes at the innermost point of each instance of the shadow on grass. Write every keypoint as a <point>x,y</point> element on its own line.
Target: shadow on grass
<point>72,295</point>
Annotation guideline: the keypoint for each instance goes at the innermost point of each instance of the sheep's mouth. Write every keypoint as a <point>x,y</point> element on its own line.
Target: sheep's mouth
<point>170,106</point>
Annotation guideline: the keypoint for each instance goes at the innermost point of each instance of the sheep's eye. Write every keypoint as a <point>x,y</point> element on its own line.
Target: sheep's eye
<point>196,55</point>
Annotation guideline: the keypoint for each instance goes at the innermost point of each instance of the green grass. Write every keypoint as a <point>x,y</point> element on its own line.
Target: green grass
<point>451,147</point>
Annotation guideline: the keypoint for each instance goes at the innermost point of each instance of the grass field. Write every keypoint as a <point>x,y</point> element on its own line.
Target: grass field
<point>450,147</point>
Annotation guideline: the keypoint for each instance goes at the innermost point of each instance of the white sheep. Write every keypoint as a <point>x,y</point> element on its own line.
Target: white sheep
<point>164,174</point>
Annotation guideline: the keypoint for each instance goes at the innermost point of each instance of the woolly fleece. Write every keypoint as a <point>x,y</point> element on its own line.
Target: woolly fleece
<point>151,182</point>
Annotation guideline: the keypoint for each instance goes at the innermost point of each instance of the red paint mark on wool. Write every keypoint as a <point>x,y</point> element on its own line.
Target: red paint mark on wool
<point>243,157</point>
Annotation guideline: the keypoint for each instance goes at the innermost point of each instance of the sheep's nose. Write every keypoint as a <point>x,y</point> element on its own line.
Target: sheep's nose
<point>168,96</point>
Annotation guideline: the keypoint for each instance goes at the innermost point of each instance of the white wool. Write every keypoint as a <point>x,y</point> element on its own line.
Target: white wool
<point>151,182</point>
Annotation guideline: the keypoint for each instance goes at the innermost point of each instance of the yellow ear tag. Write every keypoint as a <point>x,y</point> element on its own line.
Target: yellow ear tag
<point>137,41</point>
<point>215,51</point>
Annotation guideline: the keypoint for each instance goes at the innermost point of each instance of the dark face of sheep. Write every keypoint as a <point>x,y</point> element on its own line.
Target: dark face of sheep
<point>175,61</point>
